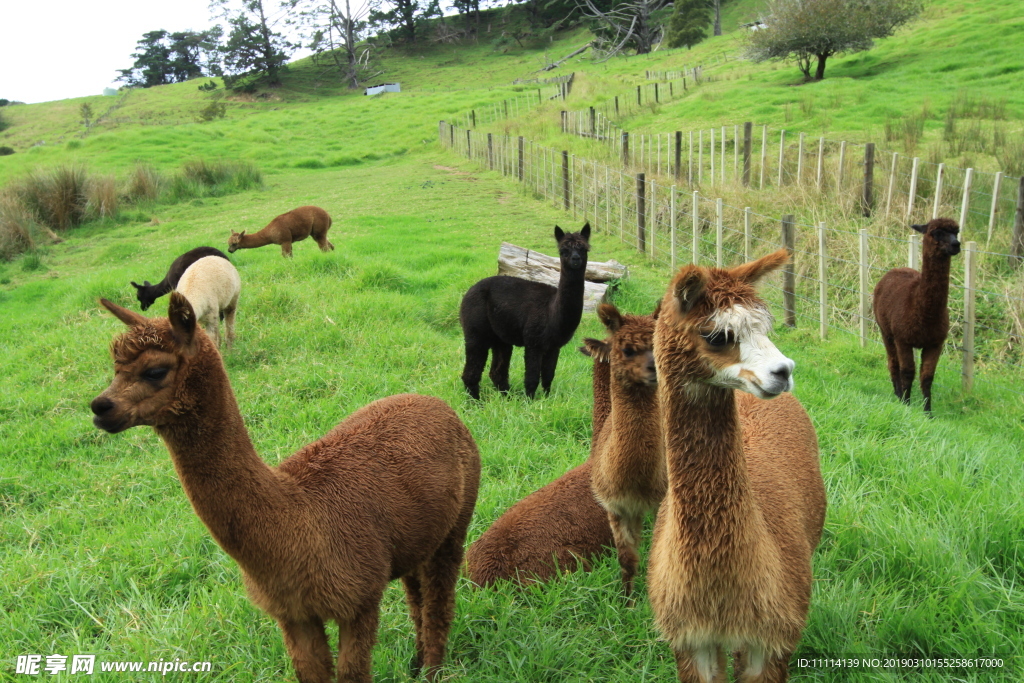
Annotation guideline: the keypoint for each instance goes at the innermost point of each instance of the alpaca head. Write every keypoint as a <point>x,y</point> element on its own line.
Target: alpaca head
<point>145,300</point>
<point>573,247</point>
<point>630,349</point>
<point>151,361</point>
<point>940,236</point>
<point>235,240</point>
<point>712,330</point>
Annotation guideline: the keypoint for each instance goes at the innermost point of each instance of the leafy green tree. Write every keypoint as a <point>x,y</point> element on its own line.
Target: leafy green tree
<point>809,30</point>
<point>255,52</point>
<point>86,113</point>
<point>164,57</point>
<point>688,24</point>
<point>335,29</point>
<point>405,15</point>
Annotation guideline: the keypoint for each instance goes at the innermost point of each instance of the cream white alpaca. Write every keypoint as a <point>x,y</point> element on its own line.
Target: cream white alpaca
<point>212,286</point>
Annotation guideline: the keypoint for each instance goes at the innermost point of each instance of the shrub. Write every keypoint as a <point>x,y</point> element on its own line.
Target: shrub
<point>16,227</point>
<point>144,184</point>
<point>5,150</point>
<point>214,110</point>
<point>209,86</point>
<point>58,197</point>
<point>103,197</point>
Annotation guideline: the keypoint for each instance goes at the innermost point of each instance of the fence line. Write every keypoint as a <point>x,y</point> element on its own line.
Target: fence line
<point>655,218</point>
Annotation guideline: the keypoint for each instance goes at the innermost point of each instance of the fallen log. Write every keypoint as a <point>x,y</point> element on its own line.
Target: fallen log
<point>555,65</point>
<point>538,267</point>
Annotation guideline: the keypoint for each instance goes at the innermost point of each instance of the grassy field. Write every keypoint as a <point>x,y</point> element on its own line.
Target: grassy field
<point>101,553</point>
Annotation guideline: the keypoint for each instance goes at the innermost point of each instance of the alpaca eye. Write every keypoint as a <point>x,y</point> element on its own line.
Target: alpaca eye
<point>718,339</point>
<point>628,352</point>
<point>155,374</point>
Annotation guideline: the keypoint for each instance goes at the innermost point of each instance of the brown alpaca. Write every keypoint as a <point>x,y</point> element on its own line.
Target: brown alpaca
<point>911,311</point>
<point>294,226</point>
<point>730,565</point>
<point>386,494</point>
<point>628,456</point>
<point>558,528</point>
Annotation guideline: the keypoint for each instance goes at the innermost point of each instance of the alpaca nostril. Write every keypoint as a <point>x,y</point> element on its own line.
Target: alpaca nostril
<point>782,372</point>
<point>101,405</point>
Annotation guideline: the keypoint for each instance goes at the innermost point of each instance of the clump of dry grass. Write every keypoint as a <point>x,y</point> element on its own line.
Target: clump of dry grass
<point>16,227</point>
<point>57,197</point>
<point>103,198</point>
<point>144,184</point>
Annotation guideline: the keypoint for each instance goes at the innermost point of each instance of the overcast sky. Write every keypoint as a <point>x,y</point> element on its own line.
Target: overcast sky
<point>56,49</point>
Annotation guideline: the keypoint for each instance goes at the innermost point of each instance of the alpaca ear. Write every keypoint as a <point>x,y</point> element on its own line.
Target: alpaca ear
<point>183,320</point>
<point>755,270</point>
<point>585,232</point>
<point>920,228</point>
<point>686,290</point>
<point>136,285</point>
<point>610,316</point>
<point>559,233</point>
<point>598,350</point>
<point>657,310</point>
<point>129,318</point>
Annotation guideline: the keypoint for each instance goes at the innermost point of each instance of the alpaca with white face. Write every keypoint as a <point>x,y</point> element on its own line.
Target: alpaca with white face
<point>730,566</point>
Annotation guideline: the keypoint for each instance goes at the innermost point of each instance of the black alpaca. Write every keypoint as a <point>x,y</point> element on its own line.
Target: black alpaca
<point>500,312</point>
<point>148,293</point>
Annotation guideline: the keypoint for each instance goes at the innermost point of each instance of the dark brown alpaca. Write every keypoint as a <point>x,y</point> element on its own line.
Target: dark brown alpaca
<point>558,528</point>
<point>386,494</point>
<point>148,293</point>
<point>500,312</point>
<point>294,226</point>
<point>628,457</point>
<point>911,311</point>
<point>730,565</point>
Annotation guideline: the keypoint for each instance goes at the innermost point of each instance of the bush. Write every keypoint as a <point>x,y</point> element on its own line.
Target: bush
<point>200,178</point>
<point>5,150</point>
<point>144,184</point>
<point>16,227</point>
<point>57,197</point>
<point>214,110</point>
<point>103,197</point>
<point>208,87</point>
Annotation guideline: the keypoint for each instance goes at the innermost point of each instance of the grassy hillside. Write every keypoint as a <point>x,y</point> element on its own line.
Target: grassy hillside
<point>921,554</point>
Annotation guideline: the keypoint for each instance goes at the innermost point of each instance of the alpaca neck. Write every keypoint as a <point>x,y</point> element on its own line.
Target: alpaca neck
<point>567,306</point>
<point>255,240</point>
<point>159,289</point>
<point>716,516</point>
<point>934,288</point>
<point>236,495</point>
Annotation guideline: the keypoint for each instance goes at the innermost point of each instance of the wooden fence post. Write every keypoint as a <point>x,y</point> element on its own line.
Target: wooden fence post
<point>696,229</point>
<point>969,316</point>
<point>912,195</point>
<point>965,203</point>
<point>914,251</point>
<point>764,153</point>
<point>490,151</point>
<point>520,166</point>
<point>679,154</point>
<point>782,155</point>
<point>822,282</point>
<point>892,183</point>
<point>939,176</point>
<point>469,152</point>
<point>638,103</point>
<point>625,149</point>
<point>746,234</point>
<point>788,274</point>
<point>735,152</point>
<point>869,179</point>
<point>657,99</point>
<point>641,213</point>
<point>719,234</point>
<point>474,118</point>
<point>800,162</point>
<point>672,227</point>
<point>864,274</point>
<point>616,105</point>
<point>995,205</point>
<point>1017,241</point>
<point>564,120</point>
<point>748,133</point>
<point>593,122</point>
<point>821,161</point>
<point>565,179</point>
<point>842,167</point>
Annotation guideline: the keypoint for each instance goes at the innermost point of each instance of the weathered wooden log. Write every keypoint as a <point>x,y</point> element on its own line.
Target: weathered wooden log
<point>537,267</point>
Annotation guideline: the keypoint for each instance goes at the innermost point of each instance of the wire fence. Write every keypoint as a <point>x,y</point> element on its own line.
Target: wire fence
<point>834,268</point>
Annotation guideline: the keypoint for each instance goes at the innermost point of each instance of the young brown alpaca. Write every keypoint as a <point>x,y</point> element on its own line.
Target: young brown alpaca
<point>730,566</point>
<point>628,477</point>
<point>294,226</point>
<point>911,311</point>
<point>500,312</point>
<point>558,528</point>
<point>386,494</point>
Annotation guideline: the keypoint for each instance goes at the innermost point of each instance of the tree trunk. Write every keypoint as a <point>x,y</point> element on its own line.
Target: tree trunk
<point>820,73</point>
<point>718,17</point>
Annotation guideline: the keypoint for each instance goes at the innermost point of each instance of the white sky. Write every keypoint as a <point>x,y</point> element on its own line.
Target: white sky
<point>56,49</point>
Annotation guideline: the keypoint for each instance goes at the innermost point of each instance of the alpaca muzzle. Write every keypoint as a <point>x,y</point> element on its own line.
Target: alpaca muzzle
<point>106,417</point>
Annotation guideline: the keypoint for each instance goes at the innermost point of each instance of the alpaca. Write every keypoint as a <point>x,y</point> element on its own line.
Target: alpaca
<point>148,293</point>
<point>910,308</point>
<point>212,287</point>
<point>501,311</point>
<point>294,226</point>
<point>386,494</point>
<point>730,565</point>
<point>628,456</point>
<point>558,528</point>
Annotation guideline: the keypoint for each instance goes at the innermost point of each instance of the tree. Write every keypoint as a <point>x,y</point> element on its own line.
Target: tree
<point>336,29</point>
<point>406,15</point>
<point>85,111</point>
<point>254,53</point>
<point>164,57</point>
<point>688,24</point>
<point>718,16</point>
<point>633,24</point>
<point>808,30</point>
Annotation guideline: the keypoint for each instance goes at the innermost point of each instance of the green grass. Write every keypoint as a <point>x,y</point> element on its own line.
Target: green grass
<point>101,552</point>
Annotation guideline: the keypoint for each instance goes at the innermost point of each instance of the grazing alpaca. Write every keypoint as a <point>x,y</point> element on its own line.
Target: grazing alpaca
<point>294,226</point>
<point>212,287</point>
<point>557,528</point>
<point>628,456</point>
<point>730,565</point>
<point>911,311</point>
<point>386,494</point>
<point>148,293</point>
<point>500,312</point>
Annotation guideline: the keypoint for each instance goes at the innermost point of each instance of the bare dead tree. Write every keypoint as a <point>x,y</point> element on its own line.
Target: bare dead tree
<point>629,25</point>
<point>336,27</point>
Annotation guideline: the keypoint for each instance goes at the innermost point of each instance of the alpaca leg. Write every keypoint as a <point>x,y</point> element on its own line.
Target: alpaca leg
<point>306,643</point>
<point>626,532</point>
<point>438,577</point>
<point>476,359</point>
<point>286,249</point>
<point>501,358</point>
<point>929,359</point>
<point>229,326</point>
<point>547,370</point>
<point>414,599</point>
<point>534,357</point>
<point>212,326</point>
<point>906,361</point>
<point>760,669</point>
<point>355,646</point>
<point>703,665</point>
<point>894,364</point>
